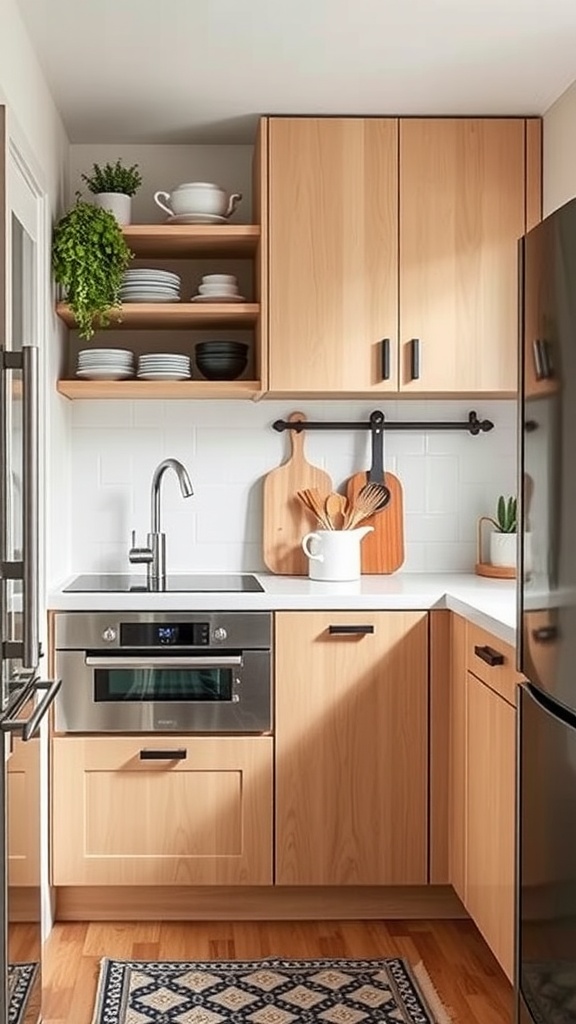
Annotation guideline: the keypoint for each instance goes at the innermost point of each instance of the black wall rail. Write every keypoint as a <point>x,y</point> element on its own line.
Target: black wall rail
<point>377,419</point>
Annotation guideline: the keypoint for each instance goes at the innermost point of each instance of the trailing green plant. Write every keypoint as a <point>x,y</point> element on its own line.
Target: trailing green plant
<point>114,178</point>
<point>89,257</point>
<point>506,519</point>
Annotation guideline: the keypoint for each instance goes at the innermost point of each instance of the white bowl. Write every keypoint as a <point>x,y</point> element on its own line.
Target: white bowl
<point>219,279</point>
<point>197,197</point>
<point>218,289</point>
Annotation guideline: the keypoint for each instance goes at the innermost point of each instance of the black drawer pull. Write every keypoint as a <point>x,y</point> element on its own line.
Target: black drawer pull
<point>163,755</point>
<point>489,655</point>
<point>545,635</point>
<point>415,359</point>
<point>385,356</point>
<point>350,630</point>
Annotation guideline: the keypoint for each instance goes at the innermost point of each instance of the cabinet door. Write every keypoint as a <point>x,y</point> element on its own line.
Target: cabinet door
<point>490,816</point>
<point>462,211</point>
<point>121,820</point>
<point>333,254</point>
<point>23,784</point>
<point>351,748</point>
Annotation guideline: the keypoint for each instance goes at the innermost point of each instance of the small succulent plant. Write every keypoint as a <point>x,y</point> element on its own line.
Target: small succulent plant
<point>506,510</point>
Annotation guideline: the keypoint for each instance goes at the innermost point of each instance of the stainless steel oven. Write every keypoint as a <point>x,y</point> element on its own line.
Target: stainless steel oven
<point>164,672</point>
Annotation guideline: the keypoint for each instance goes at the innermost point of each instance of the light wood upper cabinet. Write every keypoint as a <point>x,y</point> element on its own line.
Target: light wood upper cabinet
<point>462,211</point>
<point>351,748</point>
<point>333,254</point>
<point>204,819</point>
<point>393,243</point>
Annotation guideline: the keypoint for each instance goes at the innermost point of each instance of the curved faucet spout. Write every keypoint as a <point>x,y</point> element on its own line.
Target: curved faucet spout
<point>185,487</point>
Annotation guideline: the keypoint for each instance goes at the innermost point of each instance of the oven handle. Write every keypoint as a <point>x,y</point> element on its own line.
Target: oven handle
<point>223,661</point>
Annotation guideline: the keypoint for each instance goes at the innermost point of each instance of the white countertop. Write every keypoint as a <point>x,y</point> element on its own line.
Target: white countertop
<point>490,604</point>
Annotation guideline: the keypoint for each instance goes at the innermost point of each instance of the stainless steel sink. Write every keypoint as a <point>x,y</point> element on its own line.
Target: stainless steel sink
<point>114,583</point>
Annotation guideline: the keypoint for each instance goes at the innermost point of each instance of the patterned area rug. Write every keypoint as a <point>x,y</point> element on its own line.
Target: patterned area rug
<point>266,992</point>
<point>20,981</point>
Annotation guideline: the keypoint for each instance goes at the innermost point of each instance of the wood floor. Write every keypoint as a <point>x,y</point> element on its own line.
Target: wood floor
<point>464,972</point>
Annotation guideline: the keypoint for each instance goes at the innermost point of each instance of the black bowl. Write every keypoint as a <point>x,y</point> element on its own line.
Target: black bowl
<point>228,371</point>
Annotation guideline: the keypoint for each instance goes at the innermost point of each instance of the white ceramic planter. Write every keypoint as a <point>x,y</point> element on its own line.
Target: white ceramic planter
<point>503,548</point>
<point>117,203</point>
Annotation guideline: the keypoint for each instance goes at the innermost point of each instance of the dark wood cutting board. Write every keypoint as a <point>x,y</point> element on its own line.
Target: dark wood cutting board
<point>286,520</point>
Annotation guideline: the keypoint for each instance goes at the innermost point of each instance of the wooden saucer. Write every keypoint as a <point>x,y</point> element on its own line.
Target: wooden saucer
<point>498,572</point>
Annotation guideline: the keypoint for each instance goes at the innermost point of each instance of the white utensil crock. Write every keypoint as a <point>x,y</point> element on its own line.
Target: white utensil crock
<point>117,203</point>
<point>197,197</point>
<point>334,554</point>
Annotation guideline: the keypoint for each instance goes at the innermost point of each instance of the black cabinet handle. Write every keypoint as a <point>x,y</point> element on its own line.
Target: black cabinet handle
<point>163,755</point>
<point>350,630</point>
<point>415,359</point>
<point>542,362</point>
<point>489,655</point>
<point>545,635</point>
<point>385,357</point>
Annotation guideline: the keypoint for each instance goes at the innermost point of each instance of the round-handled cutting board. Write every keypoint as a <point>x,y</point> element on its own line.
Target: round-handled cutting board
<point>286,520</point>
<point>382,551</point>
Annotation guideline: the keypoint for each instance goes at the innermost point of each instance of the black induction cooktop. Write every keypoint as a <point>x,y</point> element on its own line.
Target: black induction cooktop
<point>114,583</point>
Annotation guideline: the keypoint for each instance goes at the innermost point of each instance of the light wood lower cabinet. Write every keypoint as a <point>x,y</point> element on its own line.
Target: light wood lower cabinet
<point>482,786</point>
<point>351,748</point>
<point>490,764</point>
<point>205,819</point>
<point>23,785</point>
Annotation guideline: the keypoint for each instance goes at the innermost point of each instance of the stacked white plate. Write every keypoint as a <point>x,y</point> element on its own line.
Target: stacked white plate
<point>105,364</point>
<point>150,286</point>
<point>164,366</point>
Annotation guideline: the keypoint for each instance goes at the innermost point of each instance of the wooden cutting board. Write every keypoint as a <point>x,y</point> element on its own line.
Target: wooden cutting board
<point>286,520</point>
<point>383,550</point>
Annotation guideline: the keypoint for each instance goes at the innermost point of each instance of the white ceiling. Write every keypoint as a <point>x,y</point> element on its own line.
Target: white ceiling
<point>202,70</point>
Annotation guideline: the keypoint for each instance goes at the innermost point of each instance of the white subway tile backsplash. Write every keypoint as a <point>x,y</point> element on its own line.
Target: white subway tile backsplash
<point>449,479</point>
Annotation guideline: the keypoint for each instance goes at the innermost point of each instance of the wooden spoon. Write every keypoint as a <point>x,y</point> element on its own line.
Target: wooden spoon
<point>333,507</point>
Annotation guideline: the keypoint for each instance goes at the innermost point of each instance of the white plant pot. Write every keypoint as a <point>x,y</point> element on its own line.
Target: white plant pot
<point>117,203</point>
<point>503,548</point>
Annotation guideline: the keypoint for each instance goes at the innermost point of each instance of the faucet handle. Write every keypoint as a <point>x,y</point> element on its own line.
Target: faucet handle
<point>136,554</point>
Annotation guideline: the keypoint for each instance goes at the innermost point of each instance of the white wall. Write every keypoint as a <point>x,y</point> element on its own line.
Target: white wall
<point>449,479</point>
<point>559,165</point>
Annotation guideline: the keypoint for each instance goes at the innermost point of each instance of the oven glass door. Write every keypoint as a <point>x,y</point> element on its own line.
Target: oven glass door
<point>165,678</point>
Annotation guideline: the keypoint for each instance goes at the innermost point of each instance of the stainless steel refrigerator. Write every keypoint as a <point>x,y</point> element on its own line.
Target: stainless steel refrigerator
<point>24,696</point>
<point>546,876</point>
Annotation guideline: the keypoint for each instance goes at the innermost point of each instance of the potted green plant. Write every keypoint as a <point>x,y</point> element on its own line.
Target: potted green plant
<point>113,186</point>
<point>503,538</point>
<point>89,257</point>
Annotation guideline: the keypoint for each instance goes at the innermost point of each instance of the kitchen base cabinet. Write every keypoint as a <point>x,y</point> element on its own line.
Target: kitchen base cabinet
<point>351,748</point>
<point>202,816</point>
<point>23,784</point>
<point>482,783</point>
<point>491,765</point>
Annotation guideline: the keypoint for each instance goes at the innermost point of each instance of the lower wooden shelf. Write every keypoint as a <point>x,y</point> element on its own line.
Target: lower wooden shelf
<point>159,389</point>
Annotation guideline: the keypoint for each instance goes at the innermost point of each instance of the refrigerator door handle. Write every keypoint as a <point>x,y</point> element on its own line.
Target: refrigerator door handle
<point>28,726</point>
<point>31,644</point>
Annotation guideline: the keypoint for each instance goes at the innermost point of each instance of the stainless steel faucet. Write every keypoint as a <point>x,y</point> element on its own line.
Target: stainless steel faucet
<point>154,554</point>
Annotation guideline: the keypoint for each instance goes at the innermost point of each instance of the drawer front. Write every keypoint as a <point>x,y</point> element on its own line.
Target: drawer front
<point>492,661</point>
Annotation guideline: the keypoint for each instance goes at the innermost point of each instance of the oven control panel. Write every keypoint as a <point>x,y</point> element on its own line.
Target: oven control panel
<point>164,634</point>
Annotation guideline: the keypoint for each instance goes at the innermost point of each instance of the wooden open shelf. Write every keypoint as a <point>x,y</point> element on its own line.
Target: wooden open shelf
<point>176,315</point>
<point>165,241</point>
<point>136,389</point>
